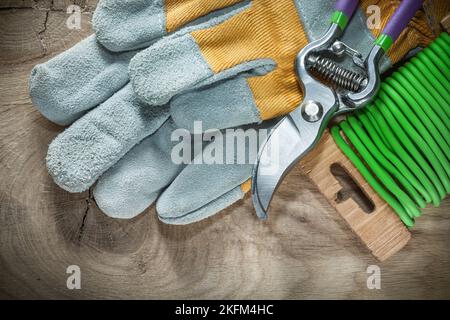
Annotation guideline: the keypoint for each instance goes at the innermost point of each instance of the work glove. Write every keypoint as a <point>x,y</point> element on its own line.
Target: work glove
<point>232,69</point>
<point>87,86</point>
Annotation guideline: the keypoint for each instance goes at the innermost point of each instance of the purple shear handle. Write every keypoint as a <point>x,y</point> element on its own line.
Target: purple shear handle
<point>346,6</point>
<point>401,18</point>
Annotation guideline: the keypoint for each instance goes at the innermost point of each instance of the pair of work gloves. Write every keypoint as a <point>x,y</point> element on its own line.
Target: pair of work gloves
<point>154,66</point>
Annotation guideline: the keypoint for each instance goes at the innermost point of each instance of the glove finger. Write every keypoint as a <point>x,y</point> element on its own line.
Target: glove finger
<point>128,25</point>
<point>134,183</point>
<point>77,80</point>
<point>85,150</point>
<point>202,189</point>
<point>227,104</point>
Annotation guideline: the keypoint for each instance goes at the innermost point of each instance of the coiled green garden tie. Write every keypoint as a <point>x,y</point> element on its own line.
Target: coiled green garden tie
<point>400,143</point>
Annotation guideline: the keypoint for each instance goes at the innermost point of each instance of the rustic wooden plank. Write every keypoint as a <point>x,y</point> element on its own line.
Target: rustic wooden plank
<point>304,250</point>
<point>30,31</point>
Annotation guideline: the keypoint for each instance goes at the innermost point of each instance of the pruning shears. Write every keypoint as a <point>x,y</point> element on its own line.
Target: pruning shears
<point>329,89</point>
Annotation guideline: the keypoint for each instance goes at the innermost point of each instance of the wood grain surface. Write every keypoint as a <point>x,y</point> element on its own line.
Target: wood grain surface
<point>304,250</point>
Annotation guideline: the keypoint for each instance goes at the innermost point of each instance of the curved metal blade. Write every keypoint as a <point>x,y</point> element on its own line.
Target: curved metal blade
<point>288,142</point>
<point>294,136</point>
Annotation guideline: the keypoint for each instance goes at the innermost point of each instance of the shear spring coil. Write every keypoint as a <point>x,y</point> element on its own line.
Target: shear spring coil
<point>338,75</point>
<point>400,143</point>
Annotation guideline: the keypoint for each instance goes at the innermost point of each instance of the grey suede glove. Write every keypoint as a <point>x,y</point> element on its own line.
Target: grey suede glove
<point>88,87</point>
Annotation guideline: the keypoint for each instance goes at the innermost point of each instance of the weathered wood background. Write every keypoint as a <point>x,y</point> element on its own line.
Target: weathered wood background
<point>304,250</point>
